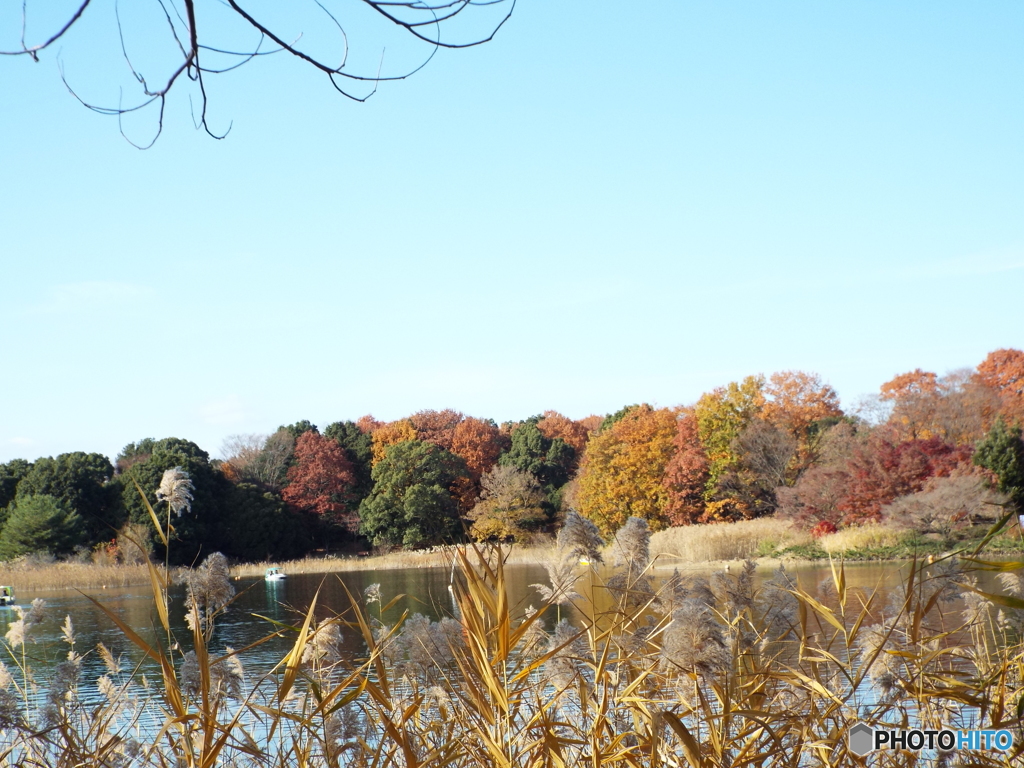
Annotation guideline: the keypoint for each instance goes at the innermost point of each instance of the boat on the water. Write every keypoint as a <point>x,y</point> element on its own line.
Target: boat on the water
<point>274,574</point>
<point>6,595</point>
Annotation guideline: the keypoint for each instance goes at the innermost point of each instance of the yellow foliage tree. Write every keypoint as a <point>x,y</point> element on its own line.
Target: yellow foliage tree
<point>391,434</point>
<point>622,470</point>
<point>721,415</point>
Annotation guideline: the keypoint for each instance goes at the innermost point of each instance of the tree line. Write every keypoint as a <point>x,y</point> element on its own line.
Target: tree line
<point>929,452</point>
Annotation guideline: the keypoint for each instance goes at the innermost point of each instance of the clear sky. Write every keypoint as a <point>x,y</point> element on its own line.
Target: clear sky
<point>608,204</point>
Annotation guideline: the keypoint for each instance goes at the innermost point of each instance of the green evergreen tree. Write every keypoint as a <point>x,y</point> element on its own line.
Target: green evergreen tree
<point>1001,451</point>
<point>40,524</point>
<point>411,504</point>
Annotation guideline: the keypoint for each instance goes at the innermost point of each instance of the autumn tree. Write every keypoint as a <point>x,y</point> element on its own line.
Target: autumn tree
<point>722,415</point>
<point>411,504</point>
<point>368,425</point>
<point>686,474</point>
<point>437,427</point>
<point>555,426</point>
<point>801,404</point>
<point>393,433</point>
<point>957,407</point>
<point>884,468</point>
<point>479,443</point>
<point>320,480</point>
<point>511,504</point>
<point>1003,372</point>
<point>622,472</point>
<point>764,453</point>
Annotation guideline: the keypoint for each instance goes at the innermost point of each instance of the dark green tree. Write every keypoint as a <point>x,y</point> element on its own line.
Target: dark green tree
<point>134,453</point>
<point>299,427</point>
<point>257,525</point>
<point>10,475</point>
<point>550,461</point>
<point>40,524</point>
<point>1001,451</point>
<point>197,532</point>
<point>411,504</point>
<point>81,481</point>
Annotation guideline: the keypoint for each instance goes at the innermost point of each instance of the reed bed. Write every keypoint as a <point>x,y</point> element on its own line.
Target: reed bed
<point>28,576</point>
<point>869,536</point>
<point>724,541</point>
<point>438,557</point>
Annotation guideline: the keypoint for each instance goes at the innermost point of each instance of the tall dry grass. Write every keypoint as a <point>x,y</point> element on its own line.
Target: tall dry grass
<point>29,576</point>
<point>438,557</point>
<point>869,536</point>
<point>724,541</point>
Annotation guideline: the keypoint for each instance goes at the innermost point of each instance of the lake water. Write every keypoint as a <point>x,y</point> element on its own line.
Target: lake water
<point>425,589</point>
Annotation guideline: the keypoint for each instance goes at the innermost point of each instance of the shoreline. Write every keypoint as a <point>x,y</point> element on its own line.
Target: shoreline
<point>56,577</point>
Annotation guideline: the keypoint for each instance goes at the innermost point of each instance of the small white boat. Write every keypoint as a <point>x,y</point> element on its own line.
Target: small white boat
<point>6,596</point>
<point>274,574</point>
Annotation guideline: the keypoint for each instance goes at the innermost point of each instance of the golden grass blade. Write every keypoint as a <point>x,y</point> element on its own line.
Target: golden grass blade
<point>821,610</point>
<point>159,595</point>
<point>1007,601</point>
<point>691,749</point>
<point>294,658</point>
<point>152,514</point>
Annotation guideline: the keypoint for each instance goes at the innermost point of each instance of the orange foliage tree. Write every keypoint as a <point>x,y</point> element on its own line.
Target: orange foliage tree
<point>796,401</point>
<point>623,467</point>
<point>1003,371</point>
<point>391,434</point>
<point>368,425</point>
<point>479,443</point>
<point>437,427</point>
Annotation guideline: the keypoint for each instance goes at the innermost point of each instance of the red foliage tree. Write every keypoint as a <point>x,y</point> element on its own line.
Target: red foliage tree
<point>884,469</point>
<point>686,474</point>
<point>320,479</point>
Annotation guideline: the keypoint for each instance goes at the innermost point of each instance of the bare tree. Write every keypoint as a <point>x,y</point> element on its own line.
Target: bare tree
<point>168,40</point>
<point>945,504</point>
<point>258,459</point>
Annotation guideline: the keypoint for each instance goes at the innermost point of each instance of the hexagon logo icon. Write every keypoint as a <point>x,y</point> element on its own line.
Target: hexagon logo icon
<point>861,739</point>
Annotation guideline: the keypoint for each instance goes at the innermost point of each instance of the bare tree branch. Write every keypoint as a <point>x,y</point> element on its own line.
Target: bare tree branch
<point>422,20</point>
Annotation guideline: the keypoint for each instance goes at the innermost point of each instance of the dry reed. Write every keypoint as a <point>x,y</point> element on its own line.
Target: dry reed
<point>723,541</point>
<point>870,536</point>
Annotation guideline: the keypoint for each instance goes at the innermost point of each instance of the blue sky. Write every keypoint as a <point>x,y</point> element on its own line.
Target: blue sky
<point>607,204</point>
